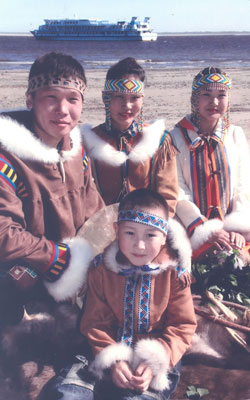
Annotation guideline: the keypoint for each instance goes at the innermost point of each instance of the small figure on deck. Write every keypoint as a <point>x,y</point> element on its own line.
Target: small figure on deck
<point>128,153</point>
<point>139,317</point>
<point>46,188</point>
<point>213,168</point>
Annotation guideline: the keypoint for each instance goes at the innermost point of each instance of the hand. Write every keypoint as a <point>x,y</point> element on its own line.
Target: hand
<point>121,375</point>
<point>221,239</point>
<point>142,378</point>
<point>237,241</point>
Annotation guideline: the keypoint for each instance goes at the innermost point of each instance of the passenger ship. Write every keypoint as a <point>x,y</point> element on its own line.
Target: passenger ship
<point>90,29</point>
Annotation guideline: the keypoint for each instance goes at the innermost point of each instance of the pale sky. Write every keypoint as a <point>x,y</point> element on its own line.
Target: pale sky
<point>166,15</point>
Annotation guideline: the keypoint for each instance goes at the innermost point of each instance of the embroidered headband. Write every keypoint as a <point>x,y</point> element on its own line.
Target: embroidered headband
<point>144,218</point>
<point>44,81</point>
<point>213,78</point>
<point>123,86</point>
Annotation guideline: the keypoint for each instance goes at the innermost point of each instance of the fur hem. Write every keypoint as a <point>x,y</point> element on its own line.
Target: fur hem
<point>14,138</point>
<point>109,356</point>
<point>238,222</point>
<point>72,280</point>
<point>203,232</point>
<point>98,149</point>
<point>152,353</point>
<point>177,235</point>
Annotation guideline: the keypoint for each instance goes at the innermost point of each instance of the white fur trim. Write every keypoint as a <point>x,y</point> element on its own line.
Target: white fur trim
<point>98,149</point>
<point>149,143</point>
<point>111,263</point>
<point>108,357</point>
<point>109,258</point>
<point>238,222</point>
<point>71,281</point>
<point>203,232</point>
<point>16,138</point>
<point>153,353</point>
<point>179,241</point>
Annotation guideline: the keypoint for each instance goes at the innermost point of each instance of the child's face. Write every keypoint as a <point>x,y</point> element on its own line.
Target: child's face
<point>125,108</point>
<point>138,242</point>
<point>213,104</point>
<point>56,112</point>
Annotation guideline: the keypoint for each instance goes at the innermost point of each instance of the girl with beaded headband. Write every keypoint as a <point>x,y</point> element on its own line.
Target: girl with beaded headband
<point>207,79</point>
<point>128,153</point>
<point>212,163</point>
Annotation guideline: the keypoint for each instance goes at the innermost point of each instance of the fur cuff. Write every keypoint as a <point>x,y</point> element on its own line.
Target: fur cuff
<point>203,232</point>
<point>71,281</point>
<point>238,222</point>
<point>179,241</point>
<point>153,353</point>
<point>108,357</point>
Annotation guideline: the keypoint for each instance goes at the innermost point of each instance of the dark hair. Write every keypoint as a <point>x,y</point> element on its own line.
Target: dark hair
<point>140,198</point>
<point>209,70</point>
<point>57,64</point>
<point>127,66</point>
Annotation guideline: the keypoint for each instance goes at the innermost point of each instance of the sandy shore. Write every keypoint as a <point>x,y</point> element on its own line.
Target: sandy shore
<point>167,95</point>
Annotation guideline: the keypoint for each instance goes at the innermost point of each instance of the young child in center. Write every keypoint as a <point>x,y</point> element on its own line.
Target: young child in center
<point>213,168</point>
<point>128,153</point>
<point>139,317</point>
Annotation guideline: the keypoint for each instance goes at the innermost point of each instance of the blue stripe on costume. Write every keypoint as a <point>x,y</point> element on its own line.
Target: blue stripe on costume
<point>144,304</point>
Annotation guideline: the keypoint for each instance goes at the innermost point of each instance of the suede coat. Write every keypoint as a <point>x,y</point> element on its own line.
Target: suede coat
<point>45,197</point>
<point>140,316</point>
<point>122,164</point>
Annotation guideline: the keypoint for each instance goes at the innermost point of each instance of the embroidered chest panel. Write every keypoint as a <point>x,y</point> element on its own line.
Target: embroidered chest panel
<point>133,286</point>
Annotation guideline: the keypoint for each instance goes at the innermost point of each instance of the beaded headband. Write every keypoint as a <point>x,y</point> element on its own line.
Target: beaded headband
<point>144,218</point>
<point>213,78</point>
<point>123,86</point>
<point>44,81</point>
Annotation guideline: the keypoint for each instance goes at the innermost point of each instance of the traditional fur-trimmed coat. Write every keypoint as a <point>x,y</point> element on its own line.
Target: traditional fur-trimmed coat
<point>120,165</point>
<point>45,197</point>
<point>160,319</point>
<point>195,193</point>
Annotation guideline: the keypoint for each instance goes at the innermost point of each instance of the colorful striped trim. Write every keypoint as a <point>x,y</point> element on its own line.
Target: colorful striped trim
<point>213,78</point>
<point>210,173</point>
<point>144,304</point>
<point>123,86</point>
<point>145,218</point>
<point>128,311</point>
<point>85,160</point>
<point>9,175</point>
<point>59,261</point>
<point>198,221</point>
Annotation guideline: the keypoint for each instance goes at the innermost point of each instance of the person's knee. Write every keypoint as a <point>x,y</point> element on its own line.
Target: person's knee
<point>73,383</point>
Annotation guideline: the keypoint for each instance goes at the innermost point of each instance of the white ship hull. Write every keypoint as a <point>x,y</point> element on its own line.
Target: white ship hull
<point>95,30</point>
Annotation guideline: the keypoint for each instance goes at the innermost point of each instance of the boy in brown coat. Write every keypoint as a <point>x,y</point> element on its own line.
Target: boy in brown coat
<point>139,317</point>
